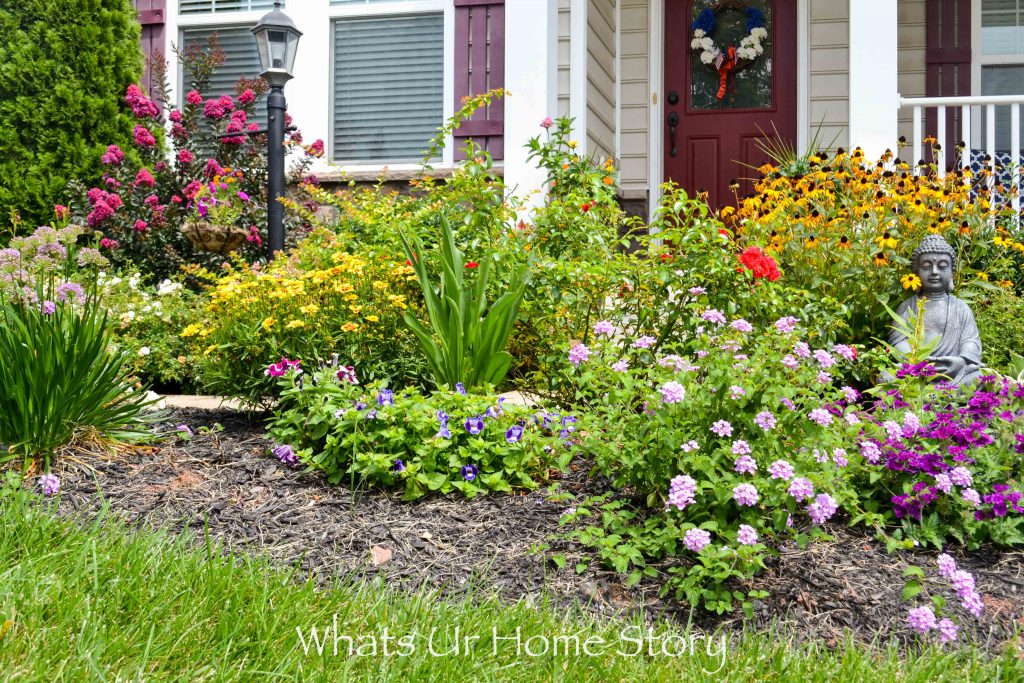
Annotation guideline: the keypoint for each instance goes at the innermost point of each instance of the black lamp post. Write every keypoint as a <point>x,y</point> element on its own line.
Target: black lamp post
<point>277,40</point>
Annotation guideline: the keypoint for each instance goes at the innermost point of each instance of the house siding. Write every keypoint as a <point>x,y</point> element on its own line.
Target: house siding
<point>635,96</point>
<point>601,76</point>
<point>829,72</point>
<point>564,57</point>
<point>911,61</point>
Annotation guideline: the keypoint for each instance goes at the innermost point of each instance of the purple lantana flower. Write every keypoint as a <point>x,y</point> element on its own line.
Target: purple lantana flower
<point>604,327</point>
<point>765,420</point>
<point>722,428</point>
<point>682,492</point>
<point>921,619</point>
<point>747,535</point>
<point>644,342</point>
<point>696,539</point>
<point>579,353</point>
<point>672,392</point>
<point>745,494</point>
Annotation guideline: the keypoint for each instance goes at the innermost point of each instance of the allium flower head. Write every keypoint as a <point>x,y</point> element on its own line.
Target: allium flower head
<point>781,469</point>
<point>672,392</point>
<point>49,308</point>
<point>579,353</point>
<point>722,428</point>
<point>696,539</point>
<point>745,494</point>
<point>49,484</point>
<point>747,535</point>
<point>921,619</point>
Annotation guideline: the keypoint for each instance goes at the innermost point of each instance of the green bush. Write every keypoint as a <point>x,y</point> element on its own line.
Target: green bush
<point>998,315</point>
<point>64,67</point>
<point>442,442</point>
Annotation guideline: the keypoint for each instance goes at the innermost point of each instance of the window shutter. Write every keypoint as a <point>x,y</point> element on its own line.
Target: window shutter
<point>948,63</point>
<point>480,67</point>
<point>240,59</point>
<point>388,87</point>
<point>152,16</point>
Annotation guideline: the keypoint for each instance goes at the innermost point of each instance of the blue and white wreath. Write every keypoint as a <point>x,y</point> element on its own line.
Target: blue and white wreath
<point>749,49</point>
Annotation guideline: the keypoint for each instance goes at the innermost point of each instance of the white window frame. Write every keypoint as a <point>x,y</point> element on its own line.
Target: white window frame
<point>384,9</point>
<point>312,102</point>
<point>979,60</point>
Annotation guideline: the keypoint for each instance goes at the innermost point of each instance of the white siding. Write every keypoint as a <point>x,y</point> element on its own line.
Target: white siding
<point>635,95</point>
<point>563,57</point>
<point>912,67</point>
<point>601,75</point>
<point>829,72</point>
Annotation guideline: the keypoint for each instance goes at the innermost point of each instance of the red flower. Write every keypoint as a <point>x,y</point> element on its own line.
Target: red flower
<point>61,211</point>
<point>760,263</point>
<point>666,257</point>
<point>472,264</point>
<point>585,207</point>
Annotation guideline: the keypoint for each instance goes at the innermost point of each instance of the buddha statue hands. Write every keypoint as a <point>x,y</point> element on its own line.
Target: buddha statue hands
<point>957,356</point>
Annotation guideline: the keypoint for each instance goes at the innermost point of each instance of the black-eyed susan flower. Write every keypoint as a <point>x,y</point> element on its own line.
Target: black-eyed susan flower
<point>911,282</point>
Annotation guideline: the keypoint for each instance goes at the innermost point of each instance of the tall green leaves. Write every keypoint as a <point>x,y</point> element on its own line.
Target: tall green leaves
<point>467,337</point>
<point>57,377</point>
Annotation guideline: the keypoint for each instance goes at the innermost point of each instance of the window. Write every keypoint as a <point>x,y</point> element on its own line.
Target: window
<point>208,6</point>
<point>240,59</point>
<point>388,86</point>
<point>1000,61</point>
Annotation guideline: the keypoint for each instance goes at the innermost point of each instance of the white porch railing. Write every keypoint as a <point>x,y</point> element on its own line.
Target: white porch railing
<point>966,105</point>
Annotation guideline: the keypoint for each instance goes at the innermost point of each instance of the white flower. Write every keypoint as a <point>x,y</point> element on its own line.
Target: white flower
<point>695,43</point>
<point>707,57</point>
<point>758,48</point>
<point>144,351</point>
<point>708,44</point>
<point>167,287</point>
<point>698,33</point>
<point>760,32</point>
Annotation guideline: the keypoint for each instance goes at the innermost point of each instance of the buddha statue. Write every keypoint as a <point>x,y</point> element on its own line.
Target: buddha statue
<point>957,358</point>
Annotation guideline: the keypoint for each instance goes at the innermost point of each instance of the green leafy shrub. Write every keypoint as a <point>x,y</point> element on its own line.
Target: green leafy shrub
<point>440,442</point>
<point>998,314</point>
<point>728,439</point>
<point>63,69</point>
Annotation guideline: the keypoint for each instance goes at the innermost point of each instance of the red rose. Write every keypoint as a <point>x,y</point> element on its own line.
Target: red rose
<point>761,264</point>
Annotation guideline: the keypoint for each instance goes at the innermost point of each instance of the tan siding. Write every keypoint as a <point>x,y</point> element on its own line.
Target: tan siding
<point>829,82</point>
<point>601,78</point>
<point>563,57</point>
<point>911,59</point>
<point>636,94</point>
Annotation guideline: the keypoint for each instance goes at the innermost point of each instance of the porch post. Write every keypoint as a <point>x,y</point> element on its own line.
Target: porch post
<point>530,72</point>
<point>874,91</point>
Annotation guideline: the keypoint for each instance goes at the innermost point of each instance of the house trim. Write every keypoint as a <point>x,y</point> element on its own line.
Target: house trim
<point>578,65</point>
<point>656,70</point>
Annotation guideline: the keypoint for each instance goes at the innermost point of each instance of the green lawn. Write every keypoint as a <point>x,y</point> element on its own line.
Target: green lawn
<point>98,602</point>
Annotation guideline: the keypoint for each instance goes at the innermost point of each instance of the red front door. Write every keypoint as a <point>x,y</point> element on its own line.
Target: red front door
<point>724,95</point>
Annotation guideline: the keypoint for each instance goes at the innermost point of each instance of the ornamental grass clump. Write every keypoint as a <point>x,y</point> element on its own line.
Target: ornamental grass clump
<point>59,378</point>
<point>421,443</point>
<point>730,439</point>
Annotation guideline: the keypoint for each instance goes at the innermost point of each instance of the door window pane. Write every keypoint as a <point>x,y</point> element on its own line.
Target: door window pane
<point>1002,27</point>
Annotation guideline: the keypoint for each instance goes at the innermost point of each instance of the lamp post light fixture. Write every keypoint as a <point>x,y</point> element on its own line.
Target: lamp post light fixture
<point>277,41</point>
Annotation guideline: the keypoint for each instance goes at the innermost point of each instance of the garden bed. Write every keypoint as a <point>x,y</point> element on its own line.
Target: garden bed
<point>225,483</point>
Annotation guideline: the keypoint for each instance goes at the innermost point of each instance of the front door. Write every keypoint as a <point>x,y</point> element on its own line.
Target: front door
<point>730,81</point>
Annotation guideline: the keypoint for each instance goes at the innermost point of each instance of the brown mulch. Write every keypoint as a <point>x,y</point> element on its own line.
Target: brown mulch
<point>226,483</point>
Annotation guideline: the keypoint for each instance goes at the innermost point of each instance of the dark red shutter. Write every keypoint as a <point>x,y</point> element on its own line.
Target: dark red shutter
<point>480,67</point>
<point>948,59</point>
<point>152,16</point>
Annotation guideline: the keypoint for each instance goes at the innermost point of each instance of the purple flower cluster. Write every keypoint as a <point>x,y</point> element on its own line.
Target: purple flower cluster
<point>579,353</point>
<point>285,454</point>
<point>696,539</point>
<point>682,492</point>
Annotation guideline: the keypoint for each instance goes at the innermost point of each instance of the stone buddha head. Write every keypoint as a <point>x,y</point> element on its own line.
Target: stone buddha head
<point>934,261</point>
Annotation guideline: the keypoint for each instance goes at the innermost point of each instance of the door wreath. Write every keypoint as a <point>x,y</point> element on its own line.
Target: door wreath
<point>729,59</point>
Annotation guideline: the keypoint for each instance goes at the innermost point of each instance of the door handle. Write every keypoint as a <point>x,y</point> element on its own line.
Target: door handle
<point>673,121</point>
